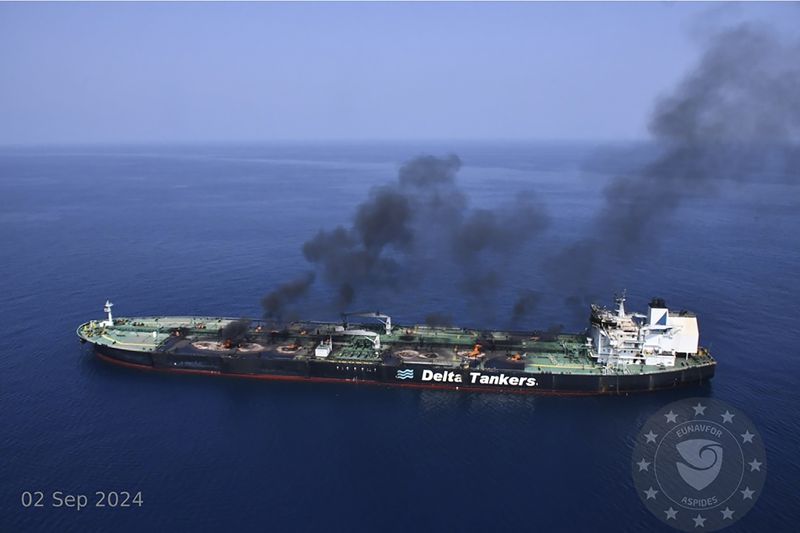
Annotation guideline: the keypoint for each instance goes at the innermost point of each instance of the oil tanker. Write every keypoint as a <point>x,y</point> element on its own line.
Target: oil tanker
<point>619,352</point>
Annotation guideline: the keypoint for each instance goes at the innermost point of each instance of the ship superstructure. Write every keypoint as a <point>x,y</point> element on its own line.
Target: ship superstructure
<point>656,339</point>
<point>619,352</point>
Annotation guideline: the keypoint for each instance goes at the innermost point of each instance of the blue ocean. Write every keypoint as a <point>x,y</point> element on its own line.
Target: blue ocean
<point>210,230</point>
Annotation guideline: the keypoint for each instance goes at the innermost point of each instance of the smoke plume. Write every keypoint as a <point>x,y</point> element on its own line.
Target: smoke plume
<point>525,305</point>
<point>734,118</point>
<point>235,331</point>
<point>418,224</point>
<point>438,319</point>
<point>276,302</point>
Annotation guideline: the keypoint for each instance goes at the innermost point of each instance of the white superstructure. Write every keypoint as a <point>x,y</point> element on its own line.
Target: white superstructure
<point>109,321</point>
<point>621,338</point>
<point>324,348</point>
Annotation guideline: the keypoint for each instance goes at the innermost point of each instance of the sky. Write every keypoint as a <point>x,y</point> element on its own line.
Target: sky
<point>249,72</point>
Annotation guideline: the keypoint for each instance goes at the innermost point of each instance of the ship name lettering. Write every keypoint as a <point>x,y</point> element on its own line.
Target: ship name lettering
<point>501,379</point>
<point>448,377</point>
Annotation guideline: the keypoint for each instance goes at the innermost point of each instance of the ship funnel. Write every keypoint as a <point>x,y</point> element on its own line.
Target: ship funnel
<point>657,312</point>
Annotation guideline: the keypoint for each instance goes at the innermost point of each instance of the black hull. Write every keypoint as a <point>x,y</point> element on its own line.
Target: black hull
<point>424,376</point>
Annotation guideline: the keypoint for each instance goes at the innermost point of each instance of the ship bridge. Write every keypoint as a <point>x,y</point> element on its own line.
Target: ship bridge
<point>657,338</point>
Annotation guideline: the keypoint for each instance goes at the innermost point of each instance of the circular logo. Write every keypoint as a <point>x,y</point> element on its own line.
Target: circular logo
<point>699,464</point>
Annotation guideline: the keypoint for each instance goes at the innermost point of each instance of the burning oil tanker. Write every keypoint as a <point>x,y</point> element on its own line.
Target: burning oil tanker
<point>619,352</point>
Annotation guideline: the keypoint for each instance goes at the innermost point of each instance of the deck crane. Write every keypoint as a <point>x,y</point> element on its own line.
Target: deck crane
<point>386,320</point>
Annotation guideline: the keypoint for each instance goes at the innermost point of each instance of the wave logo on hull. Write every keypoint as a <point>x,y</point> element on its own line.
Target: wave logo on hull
<point>705,460</point>
<point>408,373</point>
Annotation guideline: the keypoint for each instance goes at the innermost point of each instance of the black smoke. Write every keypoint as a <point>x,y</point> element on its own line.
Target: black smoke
<point>527,302</point>
<point>276,303</point>
<point>418,224</point>
<point>235,332</point>
<point>438,319</point>
<point>734,118</point>
<point>497,231</point>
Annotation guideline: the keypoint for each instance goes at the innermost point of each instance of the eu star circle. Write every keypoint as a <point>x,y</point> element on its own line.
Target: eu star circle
<point>699,464</point>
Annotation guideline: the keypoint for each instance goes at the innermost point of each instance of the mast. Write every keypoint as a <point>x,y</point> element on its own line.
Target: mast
<point>620,300</point>
<point>109,321</point>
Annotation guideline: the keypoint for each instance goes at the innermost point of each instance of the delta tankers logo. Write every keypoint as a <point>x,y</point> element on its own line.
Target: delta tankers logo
<point>408,373</point>
<point>699,464</point>
<point>472,378</point>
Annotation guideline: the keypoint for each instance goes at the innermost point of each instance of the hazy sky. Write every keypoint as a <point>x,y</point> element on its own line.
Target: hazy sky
<point>126,72</point>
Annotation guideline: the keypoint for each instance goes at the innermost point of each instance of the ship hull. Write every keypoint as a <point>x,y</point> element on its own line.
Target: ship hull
<point>413,376</point>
